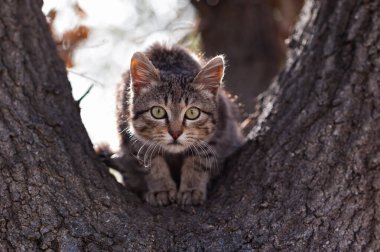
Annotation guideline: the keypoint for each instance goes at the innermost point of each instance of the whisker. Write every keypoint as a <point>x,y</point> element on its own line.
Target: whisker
<point>138,153</point>
<point>151,154</point>
<point>146,154</point>
<point>192,153</point>
<point>213,152</point>
<point>199,156</point>
<point>122,131</point>
<point>204,150</point>
<point>210,159</point>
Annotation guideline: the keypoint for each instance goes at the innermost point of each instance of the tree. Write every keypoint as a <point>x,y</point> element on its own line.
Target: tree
<point>250,36</point>
<point>308,178</point>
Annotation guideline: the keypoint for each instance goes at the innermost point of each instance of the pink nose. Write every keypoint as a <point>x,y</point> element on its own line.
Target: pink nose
<point>175,133</point>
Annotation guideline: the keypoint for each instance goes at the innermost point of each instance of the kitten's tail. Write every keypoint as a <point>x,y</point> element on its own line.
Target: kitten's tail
<point>127,166</point>
<point>104,153</point>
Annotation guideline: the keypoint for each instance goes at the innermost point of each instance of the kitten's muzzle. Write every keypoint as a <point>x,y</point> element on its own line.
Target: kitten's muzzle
<point>175,133</point>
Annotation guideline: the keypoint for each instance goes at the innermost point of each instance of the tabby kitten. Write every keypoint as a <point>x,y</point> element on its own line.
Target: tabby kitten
<point>176,123</point>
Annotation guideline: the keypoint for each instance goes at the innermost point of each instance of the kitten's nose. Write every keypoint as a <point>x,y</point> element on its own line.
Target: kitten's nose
<point>175,133</point>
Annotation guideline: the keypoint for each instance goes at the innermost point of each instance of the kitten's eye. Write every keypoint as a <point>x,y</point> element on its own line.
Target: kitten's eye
<point>158,112</point>
<point>192,113</point>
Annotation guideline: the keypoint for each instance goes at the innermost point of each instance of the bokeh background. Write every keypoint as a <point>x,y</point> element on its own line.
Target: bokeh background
<point>97,38</point>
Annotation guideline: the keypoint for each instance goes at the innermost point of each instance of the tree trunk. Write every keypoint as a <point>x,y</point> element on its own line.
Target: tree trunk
<point>246,32</point>
<point>308,179</point>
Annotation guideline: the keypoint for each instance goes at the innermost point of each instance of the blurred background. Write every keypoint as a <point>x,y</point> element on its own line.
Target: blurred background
<point>97,38</point>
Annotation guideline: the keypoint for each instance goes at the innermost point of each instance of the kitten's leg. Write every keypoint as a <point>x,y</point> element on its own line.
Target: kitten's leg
<point>161,187</point>
<point>194,179</point>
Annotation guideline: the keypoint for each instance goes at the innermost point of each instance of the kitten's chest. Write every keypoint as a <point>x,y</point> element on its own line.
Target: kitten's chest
<point>175,162</point>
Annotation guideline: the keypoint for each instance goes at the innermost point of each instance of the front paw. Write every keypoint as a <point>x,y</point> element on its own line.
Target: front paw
<point>160,198</point>
<point>191,197</point>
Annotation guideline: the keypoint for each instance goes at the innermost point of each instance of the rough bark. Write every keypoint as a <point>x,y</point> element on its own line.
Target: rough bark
<point>246,32</point>
<point>308,179</point>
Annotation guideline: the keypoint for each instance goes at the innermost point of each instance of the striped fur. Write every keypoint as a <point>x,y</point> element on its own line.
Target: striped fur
<point>176,166</point>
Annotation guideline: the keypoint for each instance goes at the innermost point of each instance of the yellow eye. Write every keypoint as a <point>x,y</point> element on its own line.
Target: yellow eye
<point>192,113</point>
<point>158,112</point>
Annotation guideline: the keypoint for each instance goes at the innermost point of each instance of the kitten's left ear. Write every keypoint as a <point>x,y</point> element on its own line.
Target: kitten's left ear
<point>211,75</point>
<point>143,73</point>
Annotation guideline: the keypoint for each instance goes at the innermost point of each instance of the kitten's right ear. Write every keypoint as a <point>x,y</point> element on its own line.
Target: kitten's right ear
<point>143,73</point>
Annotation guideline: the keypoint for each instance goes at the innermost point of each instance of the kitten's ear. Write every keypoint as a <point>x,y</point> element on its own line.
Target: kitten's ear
<point>211,75</point>
<point>143,73</point>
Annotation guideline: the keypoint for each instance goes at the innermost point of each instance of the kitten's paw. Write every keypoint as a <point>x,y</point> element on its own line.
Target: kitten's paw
<point>191,197</point>
<point>161,198</point>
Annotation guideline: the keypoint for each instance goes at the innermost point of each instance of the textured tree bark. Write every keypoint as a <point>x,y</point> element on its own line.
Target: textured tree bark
<point>308,179</point>
<point>246,32</point>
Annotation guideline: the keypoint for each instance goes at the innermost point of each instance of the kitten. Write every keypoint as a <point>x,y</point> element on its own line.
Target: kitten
<point>176,122</point>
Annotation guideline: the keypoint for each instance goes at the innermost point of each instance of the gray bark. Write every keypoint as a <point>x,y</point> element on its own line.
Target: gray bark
<point>308,179</point>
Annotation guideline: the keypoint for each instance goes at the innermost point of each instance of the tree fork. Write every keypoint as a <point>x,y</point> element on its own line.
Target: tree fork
<point>308,178</point>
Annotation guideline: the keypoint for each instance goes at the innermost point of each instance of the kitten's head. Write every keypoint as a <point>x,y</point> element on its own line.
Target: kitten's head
<point>174,111</point>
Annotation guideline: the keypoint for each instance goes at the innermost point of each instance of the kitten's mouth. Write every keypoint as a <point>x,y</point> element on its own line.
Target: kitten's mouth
<point>175,143</point>
<point>175,147</point>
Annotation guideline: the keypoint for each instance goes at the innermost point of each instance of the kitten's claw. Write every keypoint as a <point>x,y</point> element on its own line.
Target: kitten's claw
<point>191,197</point>
<point>160,198</point>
